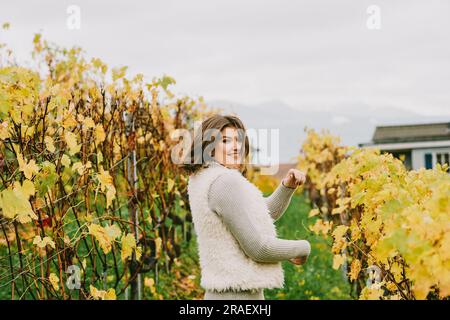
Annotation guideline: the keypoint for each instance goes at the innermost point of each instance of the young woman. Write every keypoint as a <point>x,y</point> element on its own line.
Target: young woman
<point>239,251</point>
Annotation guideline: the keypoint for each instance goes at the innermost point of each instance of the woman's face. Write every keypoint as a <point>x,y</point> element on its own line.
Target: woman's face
<point>228,148</point>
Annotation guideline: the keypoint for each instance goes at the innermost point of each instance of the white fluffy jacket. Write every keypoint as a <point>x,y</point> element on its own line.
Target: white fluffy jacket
<point>223,263</point>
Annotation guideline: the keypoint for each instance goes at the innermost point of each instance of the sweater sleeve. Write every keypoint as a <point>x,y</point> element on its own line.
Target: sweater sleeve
<point>227,198</point>
<point>279,200</point>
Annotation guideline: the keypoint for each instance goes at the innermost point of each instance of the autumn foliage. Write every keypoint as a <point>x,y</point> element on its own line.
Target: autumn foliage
<point>87,178</point>
<point>390,227</point>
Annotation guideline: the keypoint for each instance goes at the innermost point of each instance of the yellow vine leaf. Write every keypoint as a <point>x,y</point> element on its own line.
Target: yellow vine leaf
<point>100,135</point>
<point>54,280</point>
<point>339,210</point>
<point>355,268</point>
<point>170,184</point>
<point>69,120</point>
<point>355,231</point>
<point>99,157</point>
<point>118,73</point>
<point>15,204</point>
<point>102,294</point>
<point>42,243</point>
<point>338,260</point>
<point>391,286</point>
<point>28,188</point>
<point>313,212</point>
<point>321,227</point>
<point>340,239</point>
<point>78,167</point>
<point>72,143</point>
<point>28,168</point>
<point>150,283</point>
<point>110,196</point>
<point>106,184</point>
<point>88,123</point>
<point>49,144</point>
<point>158,243</point>
<point>128,244</point>
<point>65,160</point>
<point>371,293</point>
<point>113,231</point>
<point>339,233</point>
<point>27,131</point>
<point>110,294</point>
<point>104,178</point>
<point>104,235</point>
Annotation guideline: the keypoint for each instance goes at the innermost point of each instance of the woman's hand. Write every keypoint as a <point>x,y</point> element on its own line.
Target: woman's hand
<point>294,178</point>
<point>299,260</point>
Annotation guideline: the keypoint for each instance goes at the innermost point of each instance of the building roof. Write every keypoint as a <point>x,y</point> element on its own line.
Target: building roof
<point>412,133</point>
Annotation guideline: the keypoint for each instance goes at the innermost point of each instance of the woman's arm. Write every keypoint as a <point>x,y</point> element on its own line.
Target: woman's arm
<point>279,200</point>
<point>227,199</point>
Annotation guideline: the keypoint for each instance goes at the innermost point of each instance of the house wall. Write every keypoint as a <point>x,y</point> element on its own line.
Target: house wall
<point>418,156</point>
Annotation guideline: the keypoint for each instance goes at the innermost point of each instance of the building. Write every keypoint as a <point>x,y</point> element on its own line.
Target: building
<point>421,145</point>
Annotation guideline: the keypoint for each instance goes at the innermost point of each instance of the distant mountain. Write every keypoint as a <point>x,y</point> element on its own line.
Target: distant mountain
<point>353,123</point>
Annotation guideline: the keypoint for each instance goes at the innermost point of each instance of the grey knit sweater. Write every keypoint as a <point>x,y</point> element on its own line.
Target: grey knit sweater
<point>230,205</point>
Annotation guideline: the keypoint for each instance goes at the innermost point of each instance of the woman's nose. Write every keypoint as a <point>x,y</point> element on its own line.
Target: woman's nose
<point>237,146</point>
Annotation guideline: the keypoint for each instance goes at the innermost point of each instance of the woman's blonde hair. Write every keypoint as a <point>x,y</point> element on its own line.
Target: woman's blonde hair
<point>195,159</point>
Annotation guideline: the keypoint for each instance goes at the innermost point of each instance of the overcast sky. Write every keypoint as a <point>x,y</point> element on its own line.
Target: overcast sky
<point>310,55</point>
